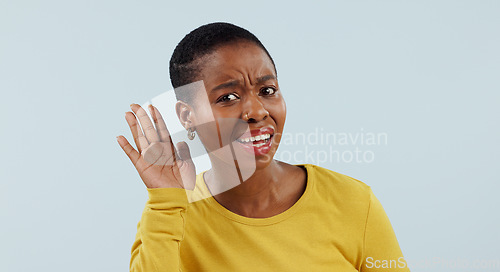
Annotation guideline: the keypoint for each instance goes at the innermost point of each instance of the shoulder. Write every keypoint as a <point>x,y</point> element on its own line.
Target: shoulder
<point>333,185</point>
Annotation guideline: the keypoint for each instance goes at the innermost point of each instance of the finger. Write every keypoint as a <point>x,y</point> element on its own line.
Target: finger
<point>128,149</point>
<point>140,140</point>
<point>147,126</point>
<point>161,127</point>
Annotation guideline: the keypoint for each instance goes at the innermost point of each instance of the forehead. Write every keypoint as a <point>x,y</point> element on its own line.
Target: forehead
<point>236,60</point>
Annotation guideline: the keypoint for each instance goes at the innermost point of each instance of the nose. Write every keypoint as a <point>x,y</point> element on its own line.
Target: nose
<point>253,109</point>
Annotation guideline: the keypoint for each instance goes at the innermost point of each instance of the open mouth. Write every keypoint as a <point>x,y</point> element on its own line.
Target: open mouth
<point>256,141</point>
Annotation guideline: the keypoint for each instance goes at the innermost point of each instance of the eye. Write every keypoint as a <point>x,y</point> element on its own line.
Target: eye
<point>267,91</point>
<point>227,98</point>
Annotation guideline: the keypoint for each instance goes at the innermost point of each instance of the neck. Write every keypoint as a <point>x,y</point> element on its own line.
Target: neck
<point>256,196</point>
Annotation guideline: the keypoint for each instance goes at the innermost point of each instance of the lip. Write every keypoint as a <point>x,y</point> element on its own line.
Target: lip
<point>264,145</point>
<point>256,132</point>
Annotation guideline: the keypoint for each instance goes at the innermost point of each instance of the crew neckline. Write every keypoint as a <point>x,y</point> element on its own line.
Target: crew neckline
<point>268,220</point>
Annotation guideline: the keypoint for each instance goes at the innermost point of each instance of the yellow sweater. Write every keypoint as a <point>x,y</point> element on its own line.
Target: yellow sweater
<point>336,225</point>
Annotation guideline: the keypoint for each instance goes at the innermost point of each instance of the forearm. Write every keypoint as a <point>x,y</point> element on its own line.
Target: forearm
<point>160,231</point>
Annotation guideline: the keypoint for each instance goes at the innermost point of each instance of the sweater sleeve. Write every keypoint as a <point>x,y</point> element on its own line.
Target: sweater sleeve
<point>160,231</point>
<point>381,248</point>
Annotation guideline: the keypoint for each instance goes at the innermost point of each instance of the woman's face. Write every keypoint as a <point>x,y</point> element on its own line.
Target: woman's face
<point>245,112</point>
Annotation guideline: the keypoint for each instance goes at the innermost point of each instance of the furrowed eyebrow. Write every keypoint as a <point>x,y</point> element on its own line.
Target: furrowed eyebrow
<point>265,78</point>
<point>234,83</point>
<point>226,85</point>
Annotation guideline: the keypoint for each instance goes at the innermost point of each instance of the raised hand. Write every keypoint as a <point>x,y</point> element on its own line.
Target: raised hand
<point>157,161</point>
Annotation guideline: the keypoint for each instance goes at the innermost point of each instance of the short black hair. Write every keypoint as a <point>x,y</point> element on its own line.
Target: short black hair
<point>202,41</point>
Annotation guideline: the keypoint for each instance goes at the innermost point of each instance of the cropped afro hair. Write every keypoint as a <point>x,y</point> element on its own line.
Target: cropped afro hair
<point>184,67</point>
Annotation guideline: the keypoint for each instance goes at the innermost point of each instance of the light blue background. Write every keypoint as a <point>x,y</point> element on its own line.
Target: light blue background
<point>424,72</point>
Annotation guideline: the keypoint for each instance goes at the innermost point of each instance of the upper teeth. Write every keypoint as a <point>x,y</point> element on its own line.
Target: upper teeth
<point>256,138</point>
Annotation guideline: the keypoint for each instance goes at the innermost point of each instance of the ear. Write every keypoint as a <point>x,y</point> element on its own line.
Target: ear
<point>184,113</point>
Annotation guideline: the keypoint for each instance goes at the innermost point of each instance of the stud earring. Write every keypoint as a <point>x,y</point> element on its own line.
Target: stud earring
<point>190,134</point>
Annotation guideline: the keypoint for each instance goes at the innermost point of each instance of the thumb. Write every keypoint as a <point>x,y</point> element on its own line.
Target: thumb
<point>184,153</point>
<point>188,175</point>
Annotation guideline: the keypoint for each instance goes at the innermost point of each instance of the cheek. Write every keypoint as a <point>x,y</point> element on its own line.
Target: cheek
<point>215,127</point>
<point>279,112</point>
<point>284,109</point>
<point>206,128</point>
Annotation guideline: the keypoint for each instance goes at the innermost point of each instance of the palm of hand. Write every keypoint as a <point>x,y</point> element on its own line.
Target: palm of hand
<point>157,161</point>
